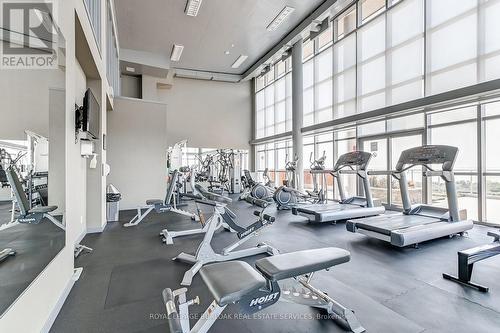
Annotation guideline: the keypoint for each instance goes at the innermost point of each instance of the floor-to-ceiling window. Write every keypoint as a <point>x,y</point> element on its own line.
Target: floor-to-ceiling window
<point>273,157</point>
<point>491,169</point>
<point>386,140</point>
<point>273,100</point>
<point>378,53</point>
<point>318,78</point>
<point>457,128</point>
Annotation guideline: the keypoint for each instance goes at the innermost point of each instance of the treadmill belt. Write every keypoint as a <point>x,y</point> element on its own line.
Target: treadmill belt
<point>317,208</point>
<point>338,212</point>
<point>387,223</point>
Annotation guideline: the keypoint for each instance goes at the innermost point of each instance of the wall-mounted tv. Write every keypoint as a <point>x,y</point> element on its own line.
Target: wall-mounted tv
<point>91,115</point>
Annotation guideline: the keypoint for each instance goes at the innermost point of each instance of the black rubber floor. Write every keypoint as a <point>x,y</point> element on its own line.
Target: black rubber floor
<point>35,246</point>
<point>390,289</point>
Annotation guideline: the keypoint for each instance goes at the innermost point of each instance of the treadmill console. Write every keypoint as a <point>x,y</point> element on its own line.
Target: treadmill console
<point>355,158</point>
<point>426,155</point>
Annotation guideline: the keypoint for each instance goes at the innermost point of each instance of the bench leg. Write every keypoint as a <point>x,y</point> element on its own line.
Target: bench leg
<point>465,269</point>
<point>139,216</point>
<point>467,258</point>
<point>465,283</point>
<point>318,299</point>
<point>54,221</point>
<point>208,318</point>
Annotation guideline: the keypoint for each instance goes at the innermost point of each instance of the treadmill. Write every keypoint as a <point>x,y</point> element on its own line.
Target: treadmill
<point>346,208</point>
<point>418,223</point>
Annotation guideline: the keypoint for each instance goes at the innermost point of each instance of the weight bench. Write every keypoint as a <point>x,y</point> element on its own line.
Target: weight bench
<point>169,204</point>
<point>206,254</point>
<point>27,214</point>
<point>201,193</point>
<point>467,259</point>
<point>33,215</point>
<point>256,289</point>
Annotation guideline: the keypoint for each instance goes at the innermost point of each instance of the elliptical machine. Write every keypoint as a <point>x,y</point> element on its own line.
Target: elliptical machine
<point>288,196</point>
<point>255,193</point>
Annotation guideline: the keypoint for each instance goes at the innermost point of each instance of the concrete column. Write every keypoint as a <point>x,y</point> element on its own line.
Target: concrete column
<point>297,110</point>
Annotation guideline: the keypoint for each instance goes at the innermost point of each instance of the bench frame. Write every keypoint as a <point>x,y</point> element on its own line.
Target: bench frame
<point>169,204</point>
<point>206,254</point>
<point>168,236</point>
<point>467,259</point>
<point>255,302</point>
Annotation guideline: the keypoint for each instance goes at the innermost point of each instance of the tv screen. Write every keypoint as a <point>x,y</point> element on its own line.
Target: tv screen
<point>91,114</point>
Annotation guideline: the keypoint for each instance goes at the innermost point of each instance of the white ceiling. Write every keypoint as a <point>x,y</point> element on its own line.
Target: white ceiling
<point>155,25</point>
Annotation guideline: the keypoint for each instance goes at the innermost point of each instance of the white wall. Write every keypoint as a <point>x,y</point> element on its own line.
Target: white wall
<point>136,150</point>
<point>209,114</point>
<point>36,308</point>
<point>21,107</point>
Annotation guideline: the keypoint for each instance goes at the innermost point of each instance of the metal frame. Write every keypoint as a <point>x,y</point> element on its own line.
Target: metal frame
<point>169,204</point>
<point>389,136</point>
<point>177,305</point>
<point>206,253</point>
<point>467,259</point>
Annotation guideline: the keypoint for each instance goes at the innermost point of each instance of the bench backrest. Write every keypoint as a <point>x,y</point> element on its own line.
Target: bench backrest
<point>17,188</point>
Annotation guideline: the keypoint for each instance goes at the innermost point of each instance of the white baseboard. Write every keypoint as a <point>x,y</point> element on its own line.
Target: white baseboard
<point>79,239</point>
<point>55,312</point>
<point>96,230</point>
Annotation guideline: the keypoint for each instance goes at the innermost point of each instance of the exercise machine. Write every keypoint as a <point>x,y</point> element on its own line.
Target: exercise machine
<point>199,193</point>
<point>8,161</point>
<point>206,254</point>
<point>169,204</point>
<point>346,207</point>
<point>317,170</point>
<point>33,215</point>
<point>37,179</point>
<point>467,259</point>
<point>255,289</point>
<point>255,193</point>
<point>418,223</point>
<point>288,196</point>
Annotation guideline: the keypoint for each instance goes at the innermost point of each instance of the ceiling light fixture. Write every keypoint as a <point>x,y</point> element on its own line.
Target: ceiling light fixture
<point>226,52</point>
<point>280,18</point>
<point>176,52</point>
<point>192,7</point>
<point>239,61</point>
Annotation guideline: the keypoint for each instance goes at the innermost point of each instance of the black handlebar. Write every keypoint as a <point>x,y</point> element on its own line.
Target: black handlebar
<point>174,321</point>
<point>266,217</point>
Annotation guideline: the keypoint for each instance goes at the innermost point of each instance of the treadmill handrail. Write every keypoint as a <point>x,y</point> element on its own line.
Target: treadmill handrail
<point>382,172</point>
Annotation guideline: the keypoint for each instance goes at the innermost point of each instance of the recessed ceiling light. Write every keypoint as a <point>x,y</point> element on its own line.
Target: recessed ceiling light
<point>280,18</point>
<point>232,45</point>
<point>239,61</point>
<point>130,69</point>
<point>226,52</point>
<point>192,7</point>
<point>176,52</point>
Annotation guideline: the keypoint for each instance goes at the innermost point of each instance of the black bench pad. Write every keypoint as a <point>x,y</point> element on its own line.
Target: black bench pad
<point>42,209</point>
<point>288,265</point>
<point>230,281</point>
<point>154,202</point>
<point>213,196</point>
